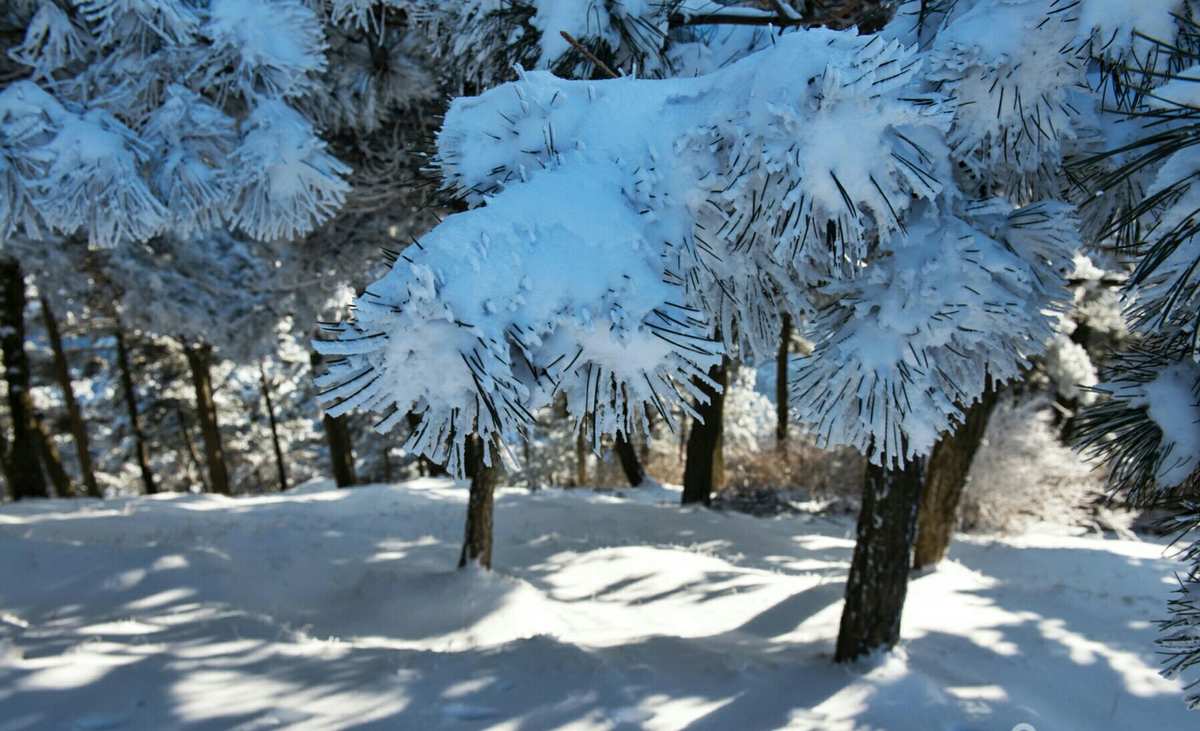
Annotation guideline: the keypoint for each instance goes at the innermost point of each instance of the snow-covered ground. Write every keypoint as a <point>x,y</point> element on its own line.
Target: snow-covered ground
<point>329,609</point>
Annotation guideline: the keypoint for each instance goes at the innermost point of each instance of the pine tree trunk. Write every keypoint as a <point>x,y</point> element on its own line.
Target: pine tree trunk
<point>141,453</point>
<point>280,465</point>
<point>52,460</point>
<point>781,384</point>
<point>704,470</point>
<point>945,477</point>
<point>477,536</point>
<point>341,450</point>
<point>22,468</point>
<point>337,436</point>
<point>630,464</point>
<point>189,444</point>
<point>199,358</point>
<point>581,453</point>
<point>62,372</point>
<point>878,580</point>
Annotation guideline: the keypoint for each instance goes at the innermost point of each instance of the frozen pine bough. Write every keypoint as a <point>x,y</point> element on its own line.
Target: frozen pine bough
<point>622,235</point>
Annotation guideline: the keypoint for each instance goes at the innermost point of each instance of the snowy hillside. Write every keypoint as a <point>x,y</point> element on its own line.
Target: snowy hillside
<point>326,609</point>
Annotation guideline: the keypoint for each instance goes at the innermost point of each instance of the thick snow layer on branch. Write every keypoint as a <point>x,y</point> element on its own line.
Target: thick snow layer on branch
<point>553,287</point>
<point>907,344</point>
<point>268,46</point>
<point>287,183</point>
<point>728,198</point>
<point>1170,400</point>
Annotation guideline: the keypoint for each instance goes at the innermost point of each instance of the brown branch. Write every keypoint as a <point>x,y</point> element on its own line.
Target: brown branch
<point>779,21</point>
<point>588,54</point>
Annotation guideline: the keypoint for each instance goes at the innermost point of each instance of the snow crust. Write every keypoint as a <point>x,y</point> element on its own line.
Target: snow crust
<point>325,608</point>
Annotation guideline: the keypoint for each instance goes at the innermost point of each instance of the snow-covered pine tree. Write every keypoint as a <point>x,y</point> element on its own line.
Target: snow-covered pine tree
<point>901,195</point>
<point>1143,199</point>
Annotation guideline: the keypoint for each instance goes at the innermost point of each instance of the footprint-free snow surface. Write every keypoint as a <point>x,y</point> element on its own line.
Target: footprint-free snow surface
<point>333,609</point>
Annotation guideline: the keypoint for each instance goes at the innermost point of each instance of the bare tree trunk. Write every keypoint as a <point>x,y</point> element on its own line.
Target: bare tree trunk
<point>341,450</point>
<point>62,372</point>
<point>946,474</point>
<point>477,536</point>
<point>781,383</point>
<point>337,435</point>
<point>581,453</point>
<point>878,580</point>
<point>52,460</point>
<point>280,465</point>
<point>704,470</point>
<point>189,444</point>
<point>131,406</point>
<point>23,468</point>
<point>630,464</point>
<point>199,358</point>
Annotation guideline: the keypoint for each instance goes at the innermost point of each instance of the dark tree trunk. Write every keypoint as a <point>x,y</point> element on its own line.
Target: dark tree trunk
<point>477,537</point>
<point>878,580</point>
<point>22,468</point>
<point>199,358</point>
<point>135,423</point>
<point>189,444</point>
<point>337,435</point>
<point>704,470</point>
<point>632,466</point>
<point>781,383</point>
<point>52,460</point>
<point>945,477</point>
<point>280,465</point>
<point>62,373</point>
<point>341,450</point>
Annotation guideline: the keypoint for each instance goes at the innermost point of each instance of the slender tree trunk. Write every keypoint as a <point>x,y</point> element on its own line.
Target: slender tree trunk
<point>280,465</point>
<point>131,405</point>
<point>341,447</point>
<point>704,470</point>
<point>581,453</point>
<point>23,468</point>
<point>477,536</point>
<point>630,464</point>
<point>945,477</point>
<point>878,580</point>
<point>199,358</point>
<point>52,460</point>
<point>62,372</point>
<point>189,444</point>
<point>781,383</point>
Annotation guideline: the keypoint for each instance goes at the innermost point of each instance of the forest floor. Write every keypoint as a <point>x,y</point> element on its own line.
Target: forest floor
<point>332,609</point>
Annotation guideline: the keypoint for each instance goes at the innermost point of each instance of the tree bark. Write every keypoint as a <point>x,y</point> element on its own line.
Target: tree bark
<point>477,536</point>
<point>878,580</point>
<point>630,464</point>
<point>341,450</point>
<point>581,453</point>
<point>62,373</point>
<point>280,465</point>
<point>185,434</point>
<point>337,435</point>
<point>781,384</point>
<point>131,406</point>
<point>199,358</point>
<point>945,477</point>
<point>704,470</point>
<point>22,468</point>
<point>52,460</point>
